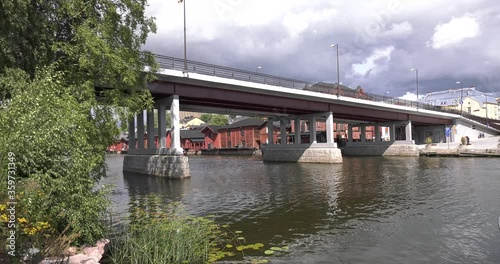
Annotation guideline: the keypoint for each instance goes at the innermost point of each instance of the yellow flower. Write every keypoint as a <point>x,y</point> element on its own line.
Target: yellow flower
<point>22,220</point>
<point>42,225</point>
<point>3,207</point>
<point>4,218</point>
<point>29,231</point>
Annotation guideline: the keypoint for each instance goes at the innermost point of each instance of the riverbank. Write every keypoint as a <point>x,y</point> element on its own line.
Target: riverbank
<point>485,147</point>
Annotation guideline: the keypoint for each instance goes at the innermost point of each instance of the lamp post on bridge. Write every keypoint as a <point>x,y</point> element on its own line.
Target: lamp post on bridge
<point>338,68</point>
<point>461,97</point>
<point>416,77</point>
<point>258,69</point>
<point>185,48</point>
<point>486,104</point>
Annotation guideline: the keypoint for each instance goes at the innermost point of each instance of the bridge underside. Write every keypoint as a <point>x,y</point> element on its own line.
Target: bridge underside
<point>281,106</point>
<point>210,99</point>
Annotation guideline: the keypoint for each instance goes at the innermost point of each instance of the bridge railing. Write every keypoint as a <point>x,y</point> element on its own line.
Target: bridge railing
<point>173,63</point>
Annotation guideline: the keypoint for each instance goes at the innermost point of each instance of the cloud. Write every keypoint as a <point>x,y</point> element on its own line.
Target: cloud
<point>379,41</point>
<point>454,32</point>
<point>400,30</point>
<point>372,64</point>
<point>410,96</point>
<point>296,23</point>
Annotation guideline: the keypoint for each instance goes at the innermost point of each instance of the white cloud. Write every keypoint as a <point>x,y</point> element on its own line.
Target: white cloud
<point>398,30</point>
<point>369,65</point>
<point>409,96</point>
<point>454,32</point>
<point>296,23</point>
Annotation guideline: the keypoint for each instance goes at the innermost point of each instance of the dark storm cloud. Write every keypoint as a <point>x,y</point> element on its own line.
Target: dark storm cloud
<point>379,41</point>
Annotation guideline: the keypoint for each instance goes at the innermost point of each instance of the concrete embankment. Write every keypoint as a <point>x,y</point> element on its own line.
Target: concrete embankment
<point>486,147</point>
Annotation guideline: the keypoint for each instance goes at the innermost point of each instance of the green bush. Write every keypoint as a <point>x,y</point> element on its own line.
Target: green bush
<point>428,140</point>
<point>59,158</point>
<point>167,235</point>
<point>463,141</point>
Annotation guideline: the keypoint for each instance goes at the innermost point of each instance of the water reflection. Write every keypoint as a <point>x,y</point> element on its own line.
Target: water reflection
<point>385,210</point>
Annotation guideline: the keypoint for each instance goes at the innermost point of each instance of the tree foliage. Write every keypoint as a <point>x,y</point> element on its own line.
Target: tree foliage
<point>215,119</point>
<point>68,67</point>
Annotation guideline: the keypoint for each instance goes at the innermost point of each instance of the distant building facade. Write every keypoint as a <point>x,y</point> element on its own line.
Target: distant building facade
<point>474,102</point>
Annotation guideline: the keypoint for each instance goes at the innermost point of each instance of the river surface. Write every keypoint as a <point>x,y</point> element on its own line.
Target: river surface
<point>366,210</point>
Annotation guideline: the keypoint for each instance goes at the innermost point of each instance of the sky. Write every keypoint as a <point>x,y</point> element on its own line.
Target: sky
<point>379,41</point>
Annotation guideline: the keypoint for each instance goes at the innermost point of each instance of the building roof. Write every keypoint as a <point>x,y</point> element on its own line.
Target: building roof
<point>452,97</point>
<point>214,129</point>
<point>247,122</point>
<point>192,134</point>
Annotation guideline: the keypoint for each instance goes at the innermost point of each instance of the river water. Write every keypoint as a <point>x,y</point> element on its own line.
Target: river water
<point>366,210</point>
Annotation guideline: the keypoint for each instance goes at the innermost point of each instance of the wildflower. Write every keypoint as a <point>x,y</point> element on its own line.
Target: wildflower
<point>4,218</point>
<point>3,207</point>
<point>22,220</point>
<point>29,231</point>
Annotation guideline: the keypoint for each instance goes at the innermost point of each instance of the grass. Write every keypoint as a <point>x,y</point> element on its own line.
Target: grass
<point>157,235</point>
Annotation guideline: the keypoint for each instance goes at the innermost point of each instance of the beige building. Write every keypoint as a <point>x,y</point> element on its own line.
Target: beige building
<point>474,102</point>
<point>190,122</point>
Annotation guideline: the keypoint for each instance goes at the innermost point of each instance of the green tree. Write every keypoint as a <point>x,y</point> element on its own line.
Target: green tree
<point>215,119</point>
<point>219,120</point>
<point>68,68</point>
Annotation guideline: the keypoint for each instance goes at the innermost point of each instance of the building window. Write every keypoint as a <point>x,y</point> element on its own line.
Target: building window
<point>242,132</point>
<point>469,109</point>
<point>229,132</point>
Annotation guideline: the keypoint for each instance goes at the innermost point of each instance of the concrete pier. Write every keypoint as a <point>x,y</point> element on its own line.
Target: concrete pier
<point>158,160</point>
<point>168,166</point>
<point>313,152</point>
<point>302,153</point>
<point>381,148</point>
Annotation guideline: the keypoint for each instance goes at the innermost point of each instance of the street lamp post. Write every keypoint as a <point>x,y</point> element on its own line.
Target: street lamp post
<point>338,68</point>
<point>258,69</point>
<point>416,75</point>
<point>385,95</point>
<point>185,48</point>
<point>486,104</point>
<point>461,97</point>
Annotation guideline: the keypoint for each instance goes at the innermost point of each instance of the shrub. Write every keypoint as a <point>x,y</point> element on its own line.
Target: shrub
<point>463,141</point>
<point>168,235</point>
<point>428,140</point>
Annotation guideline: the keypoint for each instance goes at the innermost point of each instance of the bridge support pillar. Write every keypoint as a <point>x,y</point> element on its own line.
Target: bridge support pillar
<point>160,161</point>
<point>349,133</point>
<point>376,131</point>
<point>363,133</point>
<point>151,130</point>
<point>283,123</point>
<point>140,130</point>
<point>162,127</point>
<point>297,131</point>
<point>379,146</point>
<point>131,133</point>
<point>312,152</point>
<point>408,131</point>
<point>270,131</point>
<point>329,128</point>
<point>392,131</point>
<point>312,129</point>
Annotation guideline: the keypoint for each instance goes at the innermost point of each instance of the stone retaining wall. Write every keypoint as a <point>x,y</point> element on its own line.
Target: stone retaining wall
<point>405,150</point>
<point>169,166</point>
<point>302,155</point>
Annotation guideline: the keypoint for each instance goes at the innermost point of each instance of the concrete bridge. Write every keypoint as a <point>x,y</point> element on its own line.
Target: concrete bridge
<point>216,89</point>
